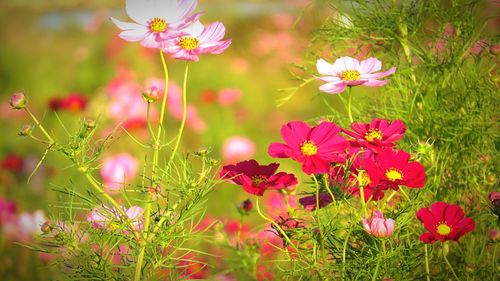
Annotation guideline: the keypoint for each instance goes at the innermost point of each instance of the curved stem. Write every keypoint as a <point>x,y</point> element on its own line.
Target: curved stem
<point>165,95</point>
<point>449,265</point>
<point>184,113</point>
<point>427,271</point>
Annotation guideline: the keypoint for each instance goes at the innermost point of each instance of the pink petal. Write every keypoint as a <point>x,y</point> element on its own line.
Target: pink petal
<point>375,83</point>
<point>379,74</point>
<point>370,65</point>
<point>134,35</point>
<point>212,33</point>
<point>324,67</point>
<point>333,88</point>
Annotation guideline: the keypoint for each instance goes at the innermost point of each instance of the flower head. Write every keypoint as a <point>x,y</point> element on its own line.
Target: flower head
<point>314,147</point>
<point>444,222</point>
<point>392,168</point>
<point>378,226</point>
<point>198,40</point>
<point>378,134</point>
<point>73,102</point>
<point>347,71</point>
<point>18,100</point>
<point>118,170</point>
<point>156,21</point>
<point>309,202</point>
<point>256,178</point>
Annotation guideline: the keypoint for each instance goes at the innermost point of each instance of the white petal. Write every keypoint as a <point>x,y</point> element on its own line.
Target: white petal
<point>183,8</point>
<point>195,29</point>
<point>141,10</point>
<point>126,25</point>
<point>134,34</point>
<point>324,67</point>
<point>345,63</point>
<point>213,32</point>
<point>370,65</point>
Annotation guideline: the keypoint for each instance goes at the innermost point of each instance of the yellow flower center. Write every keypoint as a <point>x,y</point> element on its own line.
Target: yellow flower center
<point>258,179</point>
<point>350,75</point>
<point>189,43</point>
<point>158,25</point>
<point>373,134</point>
<point>363,178</point>
<point>443,229</point>
<point>113,225</point>
<point>394,174</point>
<point>309,148</point>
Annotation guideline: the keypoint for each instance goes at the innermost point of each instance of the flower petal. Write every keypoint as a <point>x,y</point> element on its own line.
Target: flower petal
<point>324,67</point>
<point>212,32</point>
<point>370,65</point>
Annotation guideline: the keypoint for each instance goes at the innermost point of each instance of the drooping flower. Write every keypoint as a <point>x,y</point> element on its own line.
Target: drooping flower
<point>309,202</point>
<point>347,71</point>
<point>198,40</point>
<point>313,147</point>
<point>444,222</point>
<point>392,168</point>
<point>378,226</point>
<point>378,134</point>
<point>256,178</point>
<point>156,21</point>
<point>118,170</point>
<point>237,148</point>
<point>103,217</point>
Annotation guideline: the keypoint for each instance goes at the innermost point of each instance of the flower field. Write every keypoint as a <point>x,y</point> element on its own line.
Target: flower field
<point>249,140</point>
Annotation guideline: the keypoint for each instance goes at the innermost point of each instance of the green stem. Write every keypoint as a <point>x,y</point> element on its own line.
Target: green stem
<point>344,250</point>
<point>39,125</point>
<point>184,113</point>
<point>322,237</point>
<point>427,271</point>
<point>449,265</point>
<point>150,128</point>
<point>349,102</point>
<point>362,196</point>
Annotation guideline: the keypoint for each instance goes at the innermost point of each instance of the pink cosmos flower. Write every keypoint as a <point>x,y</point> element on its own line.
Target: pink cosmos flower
<point>347,71</point>
<point>378,134</point>
<point>118,170</point>
<point>24,226</point>
<point>444,222</point>
<point>198,40</point>
<point>237,148</point>
<point>256,178</point>
<point>7,210</point>
<point>156,20</point>
<point>378,226</point>
<point>392,168</point>
<point>103,217</point>
<point>314,147</point>
<point>228,97</point>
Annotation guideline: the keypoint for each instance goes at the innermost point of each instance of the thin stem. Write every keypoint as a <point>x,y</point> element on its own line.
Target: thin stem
<point>238,235</point>
<point>327,185</point>
<point>344,250</point>
<point>148,119</point>
<point>362,196</point>
<point>349,102</point>
<point>427,271</point>
<point>318,219</point>
<point>39,125</point>
<point>449,265</point>
<point>184,113</point>
<point>165,95</point>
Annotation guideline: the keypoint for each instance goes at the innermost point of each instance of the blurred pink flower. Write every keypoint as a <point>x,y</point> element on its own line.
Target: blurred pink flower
<point>275,203</point>
<point>174,103</point>
<point>156,20</point>
<point>237,148</point>
<point>198,40</point>
<point>118,170</point>
<point>7,210</point>
<point>479,47</point>
<point>104,217</point>
<point>378,226</point>
<point>347,71</point>
<point>24,226</point>
<point>228,97</point>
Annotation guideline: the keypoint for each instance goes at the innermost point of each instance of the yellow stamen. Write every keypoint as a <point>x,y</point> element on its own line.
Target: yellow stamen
<point>443,229</point>
<point>350,75</point>
<point>373,134</point>
<point>394,174</point>
<point>309,148</point>
<point>158,25</point>
<point>188,43</point>
<point>363,178</point>
<point>258,179</point>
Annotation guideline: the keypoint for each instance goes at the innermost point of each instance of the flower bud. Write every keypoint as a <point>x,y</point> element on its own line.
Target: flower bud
<point>201,152</point>
<point>18,100</point>
<point>494,235</point>
<point>25,130</point>
<point>245,207</point>
<point>378,226</point>
<point>151,94</point>
<point>46,227</point>
<point>89,123</point>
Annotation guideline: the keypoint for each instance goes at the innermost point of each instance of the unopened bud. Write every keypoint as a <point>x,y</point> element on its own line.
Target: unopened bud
<point>151,94</point>
<point>89,123</point>
<point>46,227</point>
<point>201,152</point>
<point>245,207</point>
<point>25,130</point>
<point>18,100</point>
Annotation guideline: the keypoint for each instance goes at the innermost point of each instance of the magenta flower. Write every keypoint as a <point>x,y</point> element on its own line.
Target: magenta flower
<point>378,134</point>
<point>198,40</point>
<point>314,147</point>
<point>378,226</point>
<point>118,170</point>
<point>256,178</point>
<point>347,71</point>
<point>156,21</point>
<point>309,202</point>
<point>107,218</point>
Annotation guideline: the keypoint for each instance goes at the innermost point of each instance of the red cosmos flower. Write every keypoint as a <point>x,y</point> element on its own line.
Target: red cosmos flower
<point>256,178</point>
<point>309,202</point>
<point>378,134</point>
<point>444,222</point>
<point>391,168</point>
<point>12,162</point>
<point>314,147</point>
<point>73,102</point>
